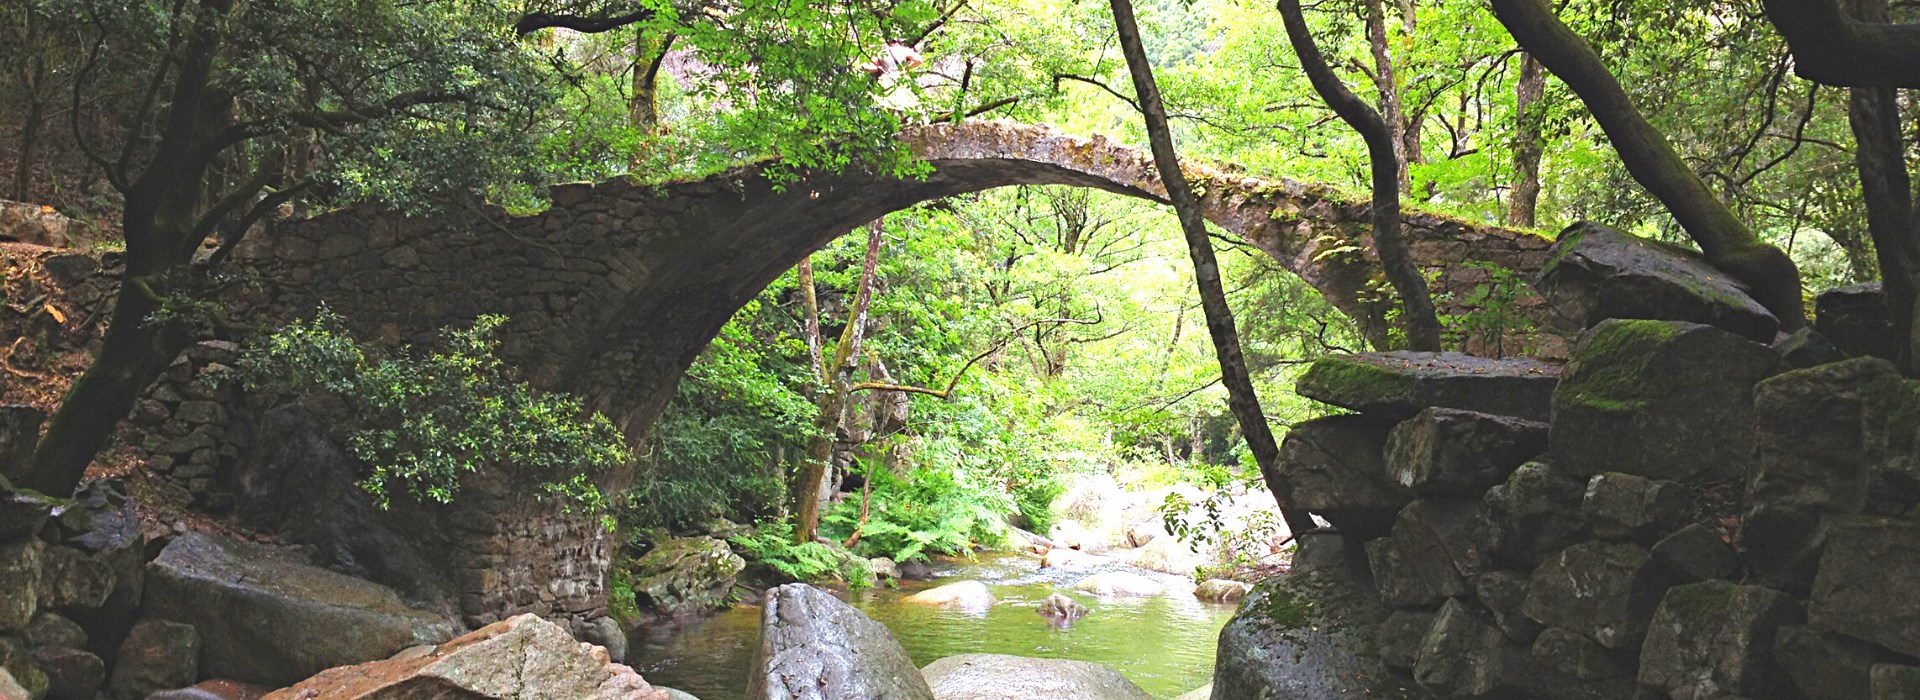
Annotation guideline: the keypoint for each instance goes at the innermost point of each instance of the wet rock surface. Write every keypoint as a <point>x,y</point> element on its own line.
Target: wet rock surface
<point>1004,677</point>
<point>814,647</point>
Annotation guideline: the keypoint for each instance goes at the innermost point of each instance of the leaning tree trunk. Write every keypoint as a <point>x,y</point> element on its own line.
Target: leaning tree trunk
<point>837,378</point>
<point>1423,324</point>
<point>1651,160</point>
<point>1886,188</point>
<point>1241,398</point>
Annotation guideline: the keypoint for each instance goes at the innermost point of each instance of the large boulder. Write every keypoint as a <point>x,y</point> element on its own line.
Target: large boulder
<point>1866,583</point>
<point>1823,665</point>
<point>972,596</point>
<point>1396,385</point>
<point>1833,439</point>
<point>1306,635</point>
<point>1855,318</point>
<point>1336,468</point>
<point>1450,452</point>
<point>1594,273</point>
<point>1004,677</point>
<point>1120,584</point>
<point>1659,399</point>
<point>1464,655</point>
<point>156,655</point>
<point>267,616</point>
<point>1607,592</point>
<point>1073,559</point>
<point>686,576</point>
<point>1535,513</point>
<point>814,647</point>
<point>1170,555</point>
<point>1435,548</point>
<point>1715,638</point>
<point>520,657</point>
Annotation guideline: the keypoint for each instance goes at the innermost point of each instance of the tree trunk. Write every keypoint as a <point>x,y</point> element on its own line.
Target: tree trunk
<point>1528,143</point>
<point>1241,398</point>
<point>649,52</point>
<point>837,377</point>
<point>1389,90</point>
<point>1422,323</point>
<point>1886,188</point>
<point>32,76</point>
<point>1726,241</point>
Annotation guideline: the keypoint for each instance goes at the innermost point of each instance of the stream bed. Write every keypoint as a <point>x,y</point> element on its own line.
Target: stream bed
<point>1165,644</point>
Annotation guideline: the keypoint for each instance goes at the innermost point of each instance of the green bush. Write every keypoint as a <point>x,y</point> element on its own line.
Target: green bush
<point>772,544</point>
<point>930,510</point>
<point>422,421</point>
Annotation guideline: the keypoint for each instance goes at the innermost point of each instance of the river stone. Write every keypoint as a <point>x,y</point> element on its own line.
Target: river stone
<point>1855,318</point>
<point>1823,665</point>
<point>156,655</point>
<point>1063,558</point>
<point>1306,635</point>
<point>1168,555</point>
<point>1682,393</point>
<point>1450,452</point>
<point>1715,638</point>
<point>1062,608</point>
<point>686,576</point>
<point>1607,592</point>
<point>1869,564</point>
<point>1534,514</point>
<point>1573,655</point>
<point>1594,273</point>
<point>884,568</point>
<point>1826,433</point>
<point>1626,507</point>
<point>814,647</point>
<point>1109,584</point>
<point>1697,553</point>
<point>267,616</point>
<point>72,674</point>
<point>1465,655</point>
<point>1220,590</point>
<point>972,596</point>
<point>1396,385</point>
<point>1336,468</point>
<point>1006,677</point>
<point>519,657</point>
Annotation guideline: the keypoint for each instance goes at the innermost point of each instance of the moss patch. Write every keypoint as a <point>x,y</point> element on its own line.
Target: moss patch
<point>1286,610</point>
<point>1610,366</point>
<point>1352,377</point>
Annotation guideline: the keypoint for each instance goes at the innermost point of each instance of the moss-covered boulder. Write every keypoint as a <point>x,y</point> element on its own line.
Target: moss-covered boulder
<point>20,567</point>
<point>1307,635</point>
<point>682,577</point>
<point>1607,592</point>
<point>1336,468</point>
<point>1659,399</point>
<point>1715,638</point>
<point>1866,584</point>
<point>1594,273</point>
<point>1450,452</point>
<point>1396,385</point>
<point>17,661</point>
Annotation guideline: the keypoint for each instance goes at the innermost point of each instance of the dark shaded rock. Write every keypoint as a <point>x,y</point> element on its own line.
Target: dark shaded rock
<point>51,630</point>
<point>1716,638</point>
<point>1436,546</point>
<point>916,570</point>
<point>605,632</point>
<point>686,576</point>
<point>520,657</point>
<point>1398,637</point>
<point>1627,507</point>
<point>20,567</point>
<point>1336,467</point>
<point>267,616</point>
<point>19,430</point>
<point>1005,677</point>
<point>1502,593</point>
<point>1450,452</point>
<point>1855,318</point>
<point>1696,553</point>
<point>1825,432</point>
<point>100,523</point>
<point>812,646</point>
<point>1465,655</point>
<point>1607,592</point>
<point>1823,665</point>
<point>1894,682</point>
<point>1575,656</point>
<point>156,655</point>
<point>1659,399</point>
<point>1594,273</point>
<point>72,674</point>
<point>1304,635</point>
<point>1396,385</point>
<point>1807,348</point>
<point>16,660</point>
<point>1535,513</point>
<point>22,512</point>
<point>71,579</point>
<point>1870,563</point>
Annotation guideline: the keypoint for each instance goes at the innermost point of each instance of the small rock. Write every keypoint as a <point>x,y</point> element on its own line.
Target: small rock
<point>1336,467</point>
<point>52,630</point>
<point>11,689</point>
<point>884,568</point>
<point>605,633</point>
<point>72,674</point>
<point>1713,638</point>
<point>1573,655</point>
<point>1807,348</point>
<point>1220,590</point>
<point>972,596</point>
<point>16,661</point>
<point>1120,584</point>
<point>1436,545</point>
<point>1697,553</point>
<point>1607,592</point>
<point>71,579</point>
<point>20,567</point>
<point>1449,452</point>
<point>1398,637</point>
<point>916,570</point>
<point>1465,655</point>
<point>156,655</point>
<point>1502,593</point>
<point>1535,513</point>
<point>685,576</point>
<point>1060,607</point>
<point>1823,665</point>
<point>1627,507</point>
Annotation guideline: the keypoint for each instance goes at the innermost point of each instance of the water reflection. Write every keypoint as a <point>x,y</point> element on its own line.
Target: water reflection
<point>1163,643</point>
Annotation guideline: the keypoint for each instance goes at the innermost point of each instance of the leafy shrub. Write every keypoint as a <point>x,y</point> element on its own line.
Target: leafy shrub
<point>422,421</point>
<point>931,510</point>
<point>772,544</point>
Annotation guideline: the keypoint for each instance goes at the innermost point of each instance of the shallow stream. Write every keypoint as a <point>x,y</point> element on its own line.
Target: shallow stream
<point>1164,644</point>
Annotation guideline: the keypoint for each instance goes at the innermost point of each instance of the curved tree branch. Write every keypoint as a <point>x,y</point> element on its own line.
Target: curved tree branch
<point>1831,48</point>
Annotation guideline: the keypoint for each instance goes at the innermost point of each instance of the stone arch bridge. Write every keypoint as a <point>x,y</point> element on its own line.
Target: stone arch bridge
<point>615,289</point>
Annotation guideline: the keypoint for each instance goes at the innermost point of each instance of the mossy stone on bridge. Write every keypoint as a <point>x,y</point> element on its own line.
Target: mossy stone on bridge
<point>1400,384</point>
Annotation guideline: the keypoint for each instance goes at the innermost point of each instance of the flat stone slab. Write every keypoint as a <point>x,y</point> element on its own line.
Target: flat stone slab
<point>1594,273</point>
<point>1400,384</point>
